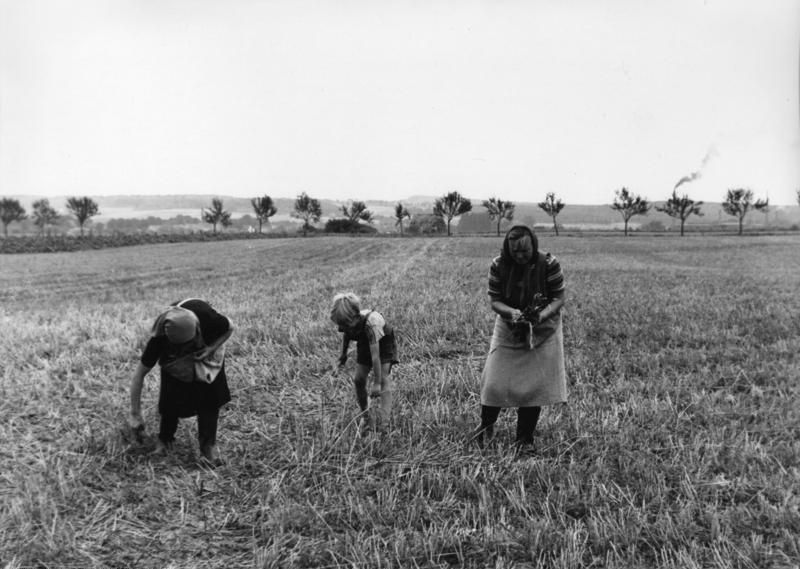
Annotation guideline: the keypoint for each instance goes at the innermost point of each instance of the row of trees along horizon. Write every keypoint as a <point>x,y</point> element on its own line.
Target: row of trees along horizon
<point>356,217</point>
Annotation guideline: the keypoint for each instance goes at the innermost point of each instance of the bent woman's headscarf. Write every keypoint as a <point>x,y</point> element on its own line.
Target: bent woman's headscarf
<point>512,273</point>
<point>179,325</point>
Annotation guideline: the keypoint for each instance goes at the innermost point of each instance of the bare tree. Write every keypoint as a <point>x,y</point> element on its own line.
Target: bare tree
<point>264,208</point>
<point>499,210</point>
<point>629,204</point>
<point>738,202</point>
<point>449,206</point>
<point>10,210</point>
<point>764,207</point>
<point>552,206</point>
<point>217,215</point>
<point>83,209</point>
<point>680,208</point>
<point>355,212</point>
<point>44,214</point>
<point>308,209</point>
<point>400,213</point>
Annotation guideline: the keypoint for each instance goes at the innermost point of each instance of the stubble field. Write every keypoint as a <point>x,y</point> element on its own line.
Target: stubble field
<point>678,447</point>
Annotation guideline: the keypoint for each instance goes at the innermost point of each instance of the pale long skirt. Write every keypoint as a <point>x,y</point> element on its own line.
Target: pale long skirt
<point>518,375</point>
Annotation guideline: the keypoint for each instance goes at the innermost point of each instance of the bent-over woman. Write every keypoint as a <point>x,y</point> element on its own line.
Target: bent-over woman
<point>376,350</point>
<point>188,333</point>
<point>525,365</point>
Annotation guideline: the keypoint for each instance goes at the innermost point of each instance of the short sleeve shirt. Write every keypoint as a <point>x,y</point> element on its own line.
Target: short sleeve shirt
<point>375,323</point>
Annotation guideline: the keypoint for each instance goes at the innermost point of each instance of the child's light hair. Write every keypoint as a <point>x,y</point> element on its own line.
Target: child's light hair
<point>346,307</point>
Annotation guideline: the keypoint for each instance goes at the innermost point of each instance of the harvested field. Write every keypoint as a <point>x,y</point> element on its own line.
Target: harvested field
<point>678,447</point>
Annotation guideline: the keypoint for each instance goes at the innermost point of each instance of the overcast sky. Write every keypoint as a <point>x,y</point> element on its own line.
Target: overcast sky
<point>363,99</point>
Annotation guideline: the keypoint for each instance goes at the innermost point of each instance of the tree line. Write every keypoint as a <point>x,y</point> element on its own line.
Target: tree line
<point>44,215</point>
<point>737,203</point>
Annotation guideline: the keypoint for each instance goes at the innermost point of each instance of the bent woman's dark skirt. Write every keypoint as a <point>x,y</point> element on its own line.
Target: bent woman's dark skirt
<point>181,399</point>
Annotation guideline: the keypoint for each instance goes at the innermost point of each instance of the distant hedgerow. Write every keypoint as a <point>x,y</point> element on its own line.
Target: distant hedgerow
<point>62,243</point>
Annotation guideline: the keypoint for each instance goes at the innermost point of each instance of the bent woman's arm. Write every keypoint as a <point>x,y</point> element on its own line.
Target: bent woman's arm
<point>136,394</point>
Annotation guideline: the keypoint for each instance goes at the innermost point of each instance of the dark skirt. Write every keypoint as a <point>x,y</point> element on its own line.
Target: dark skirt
<point>181,399</point>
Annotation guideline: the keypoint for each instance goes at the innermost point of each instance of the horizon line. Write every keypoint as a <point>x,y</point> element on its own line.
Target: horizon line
<point>337,200</point>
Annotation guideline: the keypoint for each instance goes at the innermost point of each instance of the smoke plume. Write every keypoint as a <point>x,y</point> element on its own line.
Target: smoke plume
<point>712,151</point>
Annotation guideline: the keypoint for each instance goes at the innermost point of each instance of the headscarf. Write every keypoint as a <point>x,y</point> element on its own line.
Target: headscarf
<point>512,273</point>
<point>505,254</point>
<point>179,325</point>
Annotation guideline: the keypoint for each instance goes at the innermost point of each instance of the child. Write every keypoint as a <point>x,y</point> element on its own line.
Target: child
<point>187,333</point>
<point>376,349</point>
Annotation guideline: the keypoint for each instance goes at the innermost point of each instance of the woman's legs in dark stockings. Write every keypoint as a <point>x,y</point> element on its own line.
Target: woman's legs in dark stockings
<point>527,418</point>
<point>167,429</point>
<point>488,418</point>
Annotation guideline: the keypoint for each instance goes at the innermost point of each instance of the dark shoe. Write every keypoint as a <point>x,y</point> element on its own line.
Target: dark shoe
<point>482,435</point>
<point>524,440</point>
<point>162,448</point>
<point>211,455</point>
<point>524,450</point>
<point>132,435</point>
<point>365,424</point>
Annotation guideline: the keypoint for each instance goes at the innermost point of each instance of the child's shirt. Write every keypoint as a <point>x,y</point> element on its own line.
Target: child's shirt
<point>375,323</point>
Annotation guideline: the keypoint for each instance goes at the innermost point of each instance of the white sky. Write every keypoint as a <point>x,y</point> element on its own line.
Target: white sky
<point>363,99</point>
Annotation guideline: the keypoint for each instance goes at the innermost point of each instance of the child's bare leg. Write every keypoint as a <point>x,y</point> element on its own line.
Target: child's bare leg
<point>360,382</point>
<point>387,392</point>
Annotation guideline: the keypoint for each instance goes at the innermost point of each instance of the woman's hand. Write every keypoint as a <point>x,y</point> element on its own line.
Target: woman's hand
<point>133,431</point>
<point>514,314</point>
<point>375,390</point>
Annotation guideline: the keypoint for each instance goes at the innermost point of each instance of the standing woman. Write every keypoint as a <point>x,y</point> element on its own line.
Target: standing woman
<point>525,365</point>
<point>188,333</point>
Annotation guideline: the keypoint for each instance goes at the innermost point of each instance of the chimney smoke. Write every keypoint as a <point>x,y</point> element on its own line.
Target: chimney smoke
<point>712,152</point>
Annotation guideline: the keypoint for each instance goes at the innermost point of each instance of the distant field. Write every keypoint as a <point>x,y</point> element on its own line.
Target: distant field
<point>137,213</point>
<point>133,213</point>
<point>678,447</point>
